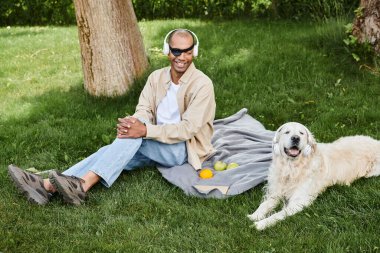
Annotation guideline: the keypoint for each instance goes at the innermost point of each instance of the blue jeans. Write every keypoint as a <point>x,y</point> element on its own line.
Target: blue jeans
<point>126,154</point>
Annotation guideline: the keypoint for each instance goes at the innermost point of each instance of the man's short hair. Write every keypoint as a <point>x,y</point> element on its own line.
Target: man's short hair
<point>182,33</point>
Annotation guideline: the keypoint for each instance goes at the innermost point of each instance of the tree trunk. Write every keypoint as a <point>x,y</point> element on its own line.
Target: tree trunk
<point>367,25</point>
<point>112,49</point>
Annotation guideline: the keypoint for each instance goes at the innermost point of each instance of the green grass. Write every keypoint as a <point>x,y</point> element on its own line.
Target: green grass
<point>281,71</point>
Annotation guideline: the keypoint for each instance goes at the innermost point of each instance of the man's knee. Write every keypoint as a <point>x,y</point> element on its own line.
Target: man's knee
<point>165,154</point>
<point>126,141</point>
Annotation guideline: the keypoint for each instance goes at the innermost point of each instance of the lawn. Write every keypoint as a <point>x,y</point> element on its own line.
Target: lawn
<point>281,71</point>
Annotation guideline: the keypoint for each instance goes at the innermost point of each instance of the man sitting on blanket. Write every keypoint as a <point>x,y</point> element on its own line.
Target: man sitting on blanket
<point>172,125</point>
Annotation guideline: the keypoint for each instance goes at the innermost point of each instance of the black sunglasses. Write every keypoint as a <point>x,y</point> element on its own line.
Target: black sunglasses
<point>178,52</point>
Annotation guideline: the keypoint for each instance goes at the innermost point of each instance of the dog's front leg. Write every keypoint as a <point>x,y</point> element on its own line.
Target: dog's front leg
<point>265,207</point>
<point>296,204</point>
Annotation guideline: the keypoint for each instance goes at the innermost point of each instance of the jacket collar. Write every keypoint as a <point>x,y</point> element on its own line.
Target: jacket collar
<point>185,77</point>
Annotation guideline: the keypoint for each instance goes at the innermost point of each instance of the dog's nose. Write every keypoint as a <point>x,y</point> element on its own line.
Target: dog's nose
<point>295,139</point>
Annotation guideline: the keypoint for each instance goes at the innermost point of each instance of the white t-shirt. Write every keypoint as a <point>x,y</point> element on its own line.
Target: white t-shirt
<point>167,110</point>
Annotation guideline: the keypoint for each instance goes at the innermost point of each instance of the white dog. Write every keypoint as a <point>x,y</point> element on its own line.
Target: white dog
<point>301,169</point>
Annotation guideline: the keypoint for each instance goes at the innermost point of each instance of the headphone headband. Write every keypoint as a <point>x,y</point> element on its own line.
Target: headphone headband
<point>166,49</point>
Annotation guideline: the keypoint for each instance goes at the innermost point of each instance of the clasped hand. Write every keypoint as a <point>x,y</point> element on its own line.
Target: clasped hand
<point>130,127</point>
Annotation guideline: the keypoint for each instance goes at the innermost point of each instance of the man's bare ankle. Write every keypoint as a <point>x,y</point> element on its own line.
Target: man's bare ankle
<point>48,186</point>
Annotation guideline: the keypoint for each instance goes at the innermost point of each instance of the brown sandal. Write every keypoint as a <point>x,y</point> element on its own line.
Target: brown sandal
<point>30,185</point>
<point>70,187</point>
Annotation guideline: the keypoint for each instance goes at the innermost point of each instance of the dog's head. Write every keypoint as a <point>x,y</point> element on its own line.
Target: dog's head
<point>293,139</point>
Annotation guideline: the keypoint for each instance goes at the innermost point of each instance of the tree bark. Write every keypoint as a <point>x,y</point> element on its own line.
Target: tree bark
<point>112,49</point>
<point>366,27</point>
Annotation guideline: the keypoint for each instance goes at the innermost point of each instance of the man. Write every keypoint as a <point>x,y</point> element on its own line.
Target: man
<point>173,124</point>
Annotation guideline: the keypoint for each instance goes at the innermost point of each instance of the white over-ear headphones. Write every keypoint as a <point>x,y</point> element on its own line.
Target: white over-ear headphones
<point>166,48</point>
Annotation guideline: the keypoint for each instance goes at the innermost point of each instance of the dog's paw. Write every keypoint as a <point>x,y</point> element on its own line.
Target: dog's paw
<point>255,216</point>
<point>261,225</point>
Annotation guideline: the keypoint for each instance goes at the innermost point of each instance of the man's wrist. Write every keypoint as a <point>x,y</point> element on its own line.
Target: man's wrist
<point>145,130</point>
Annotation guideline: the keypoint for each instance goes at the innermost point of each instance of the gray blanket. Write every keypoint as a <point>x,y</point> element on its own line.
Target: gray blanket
<point>238,138</point>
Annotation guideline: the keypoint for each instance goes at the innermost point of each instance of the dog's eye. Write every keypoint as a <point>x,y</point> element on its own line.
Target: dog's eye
<point>287,132</point>
<point>301,133</point>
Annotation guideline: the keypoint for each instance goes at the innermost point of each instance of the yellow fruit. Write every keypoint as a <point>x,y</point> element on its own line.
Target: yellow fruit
<point>205,174</point>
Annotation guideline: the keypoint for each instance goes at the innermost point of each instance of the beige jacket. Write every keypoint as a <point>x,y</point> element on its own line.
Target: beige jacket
<point>196,102</point>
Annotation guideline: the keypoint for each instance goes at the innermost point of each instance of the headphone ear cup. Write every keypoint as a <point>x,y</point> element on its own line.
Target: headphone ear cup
<point>276,149</point>
<point>195,51</point>
<point>166,49</point>
<point>307,150</point>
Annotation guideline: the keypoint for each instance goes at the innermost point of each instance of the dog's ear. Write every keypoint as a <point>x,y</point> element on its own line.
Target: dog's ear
<point>276,149</point>
<point>276,138</point>
<point>307,150</point>
<point>311,144</point>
